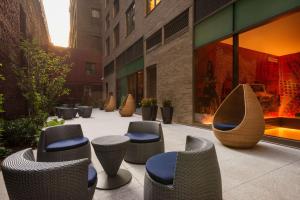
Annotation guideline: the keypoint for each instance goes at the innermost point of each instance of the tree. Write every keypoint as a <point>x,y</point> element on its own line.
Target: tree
<point>43,77</point>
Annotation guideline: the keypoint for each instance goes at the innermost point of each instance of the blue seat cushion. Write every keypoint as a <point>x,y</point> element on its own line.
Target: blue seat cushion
<point>67,144</point>
<point>143,137</point>
<point>92,175</point>
<point>225,126</point>
<point>161,167</point>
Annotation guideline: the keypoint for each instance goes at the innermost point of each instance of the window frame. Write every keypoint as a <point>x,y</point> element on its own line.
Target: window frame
<point>92,71</point>
<point>130,9</point>
<point>107,21</point>
<point>116,11</point>
<point>96,11</point>
<point>117,39</point>
<point>107,46</point>
<point>148,11</point>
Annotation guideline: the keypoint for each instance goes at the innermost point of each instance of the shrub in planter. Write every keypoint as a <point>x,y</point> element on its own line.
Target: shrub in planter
<point>149,109</point>
<point>146,109</point>
<point>153,109</point>
<point>167,111</point>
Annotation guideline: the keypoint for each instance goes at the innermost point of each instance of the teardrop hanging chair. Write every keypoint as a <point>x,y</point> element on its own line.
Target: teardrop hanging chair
<point>111,105</point>
<point>239,121</point>
<point>128,108</point>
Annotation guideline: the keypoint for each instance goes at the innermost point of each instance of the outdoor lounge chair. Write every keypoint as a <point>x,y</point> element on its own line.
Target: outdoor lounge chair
<point>67,113</point>
<point>111,105</point>
<point>190,175</point>
<point>128,108</point>
<point>26,179</point>
<point>63,143</point>
<point>239,121</point>
<point>146,140</point>
<point>85,111</point>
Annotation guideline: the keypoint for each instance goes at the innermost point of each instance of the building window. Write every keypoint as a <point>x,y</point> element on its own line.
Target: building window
<point>117,35</point>
<point>130,18</point>
<point>151,4</point>
<point>116,7</point>
<point>90,68</point>
<point>107,23</point>
<point>95,13</point>
<point>107,47</point>
<point>178,25</point>
<point>154,40</point>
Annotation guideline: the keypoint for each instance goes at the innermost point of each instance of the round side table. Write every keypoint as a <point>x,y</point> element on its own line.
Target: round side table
<point>110,151</point>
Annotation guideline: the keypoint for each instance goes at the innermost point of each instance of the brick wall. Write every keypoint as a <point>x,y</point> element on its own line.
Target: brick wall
<point>10,35</point>
<point>174,59</point>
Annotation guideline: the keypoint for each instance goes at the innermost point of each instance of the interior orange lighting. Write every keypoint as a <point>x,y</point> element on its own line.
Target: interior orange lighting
<point>288,133</point>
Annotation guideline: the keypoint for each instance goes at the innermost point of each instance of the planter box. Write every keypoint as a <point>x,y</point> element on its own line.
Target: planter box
<point>167,114</point>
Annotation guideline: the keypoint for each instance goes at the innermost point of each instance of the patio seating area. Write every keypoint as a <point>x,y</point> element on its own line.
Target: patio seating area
<point>267,171</point>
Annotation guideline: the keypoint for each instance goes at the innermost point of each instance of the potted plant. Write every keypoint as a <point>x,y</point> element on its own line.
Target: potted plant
<point>153,109</point>
<point>167,111</point>
<point>146,109</point>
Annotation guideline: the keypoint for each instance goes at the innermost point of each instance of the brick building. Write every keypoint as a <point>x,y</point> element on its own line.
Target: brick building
<point>18,19</point>
<point>149,52</point>
<point>85,47</point>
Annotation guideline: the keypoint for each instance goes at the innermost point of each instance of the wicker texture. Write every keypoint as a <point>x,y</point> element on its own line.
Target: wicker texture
<point>111,105</point>
<point>109,147</point>
<point>67,113</point>
<point>57,133</point>
<point>242,108</point>
<point>139,153</point>
<point>197,175</point>
<point>129,107</point>
<point>26,179</point>
<point>85,111</point>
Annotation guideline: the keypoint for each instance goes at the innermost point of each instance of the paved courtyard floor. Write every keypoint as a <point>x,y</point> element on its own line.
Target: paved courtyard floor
<point>266,172</point>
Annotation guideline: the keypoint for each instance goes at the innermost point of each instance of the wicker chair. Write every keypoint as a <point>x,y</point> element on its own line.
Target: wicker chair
<point>67,133</point>
<point>67,113</point>
<point>196,174</point>
<point>139,150</point>
<point>239,121</point>
<point>111,105</point>
<point>85,111</point>
<point>128,108</point>
<point>26,179</point>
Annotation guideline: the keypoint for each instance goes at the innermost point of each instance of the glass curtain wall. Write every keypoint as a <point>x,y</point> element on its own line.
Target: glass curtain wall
<point>268,60</point>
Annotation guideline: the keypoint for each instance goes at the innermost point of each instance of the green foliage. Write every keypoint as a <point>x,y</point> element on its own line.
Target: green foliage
<point>167,103</point>
<point>54,122</point>
<point>4,152</point>
<point>43,78</point>
<point>22,132</point>
<point>153,102</point>
<point>146,102</point>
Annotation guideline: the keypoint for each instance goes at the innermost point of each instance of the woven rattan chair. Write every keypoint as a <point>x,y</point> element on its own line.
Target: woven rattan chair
<point>52,135</point>
<point>239,121</point>
<point>196,174</point>
<point>111,105</point>
<point>26,179</point>
<point>67,113</point>
<point>128,108</point>
<point>138,152</point>
<point>85,111</point>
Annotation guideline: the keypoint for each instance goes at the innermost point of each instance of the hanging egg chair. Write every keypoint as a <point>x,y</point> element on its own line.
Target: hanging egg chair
<point>239,121</point>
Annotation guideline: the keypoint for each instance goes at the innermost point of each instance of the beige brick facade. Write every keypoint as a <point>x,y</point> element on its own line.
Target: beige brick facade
<point>173,58</point>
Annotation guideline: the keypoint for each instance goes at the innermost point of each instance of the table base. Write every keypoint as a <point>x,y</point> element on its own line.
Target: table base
<point>109,183</point>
